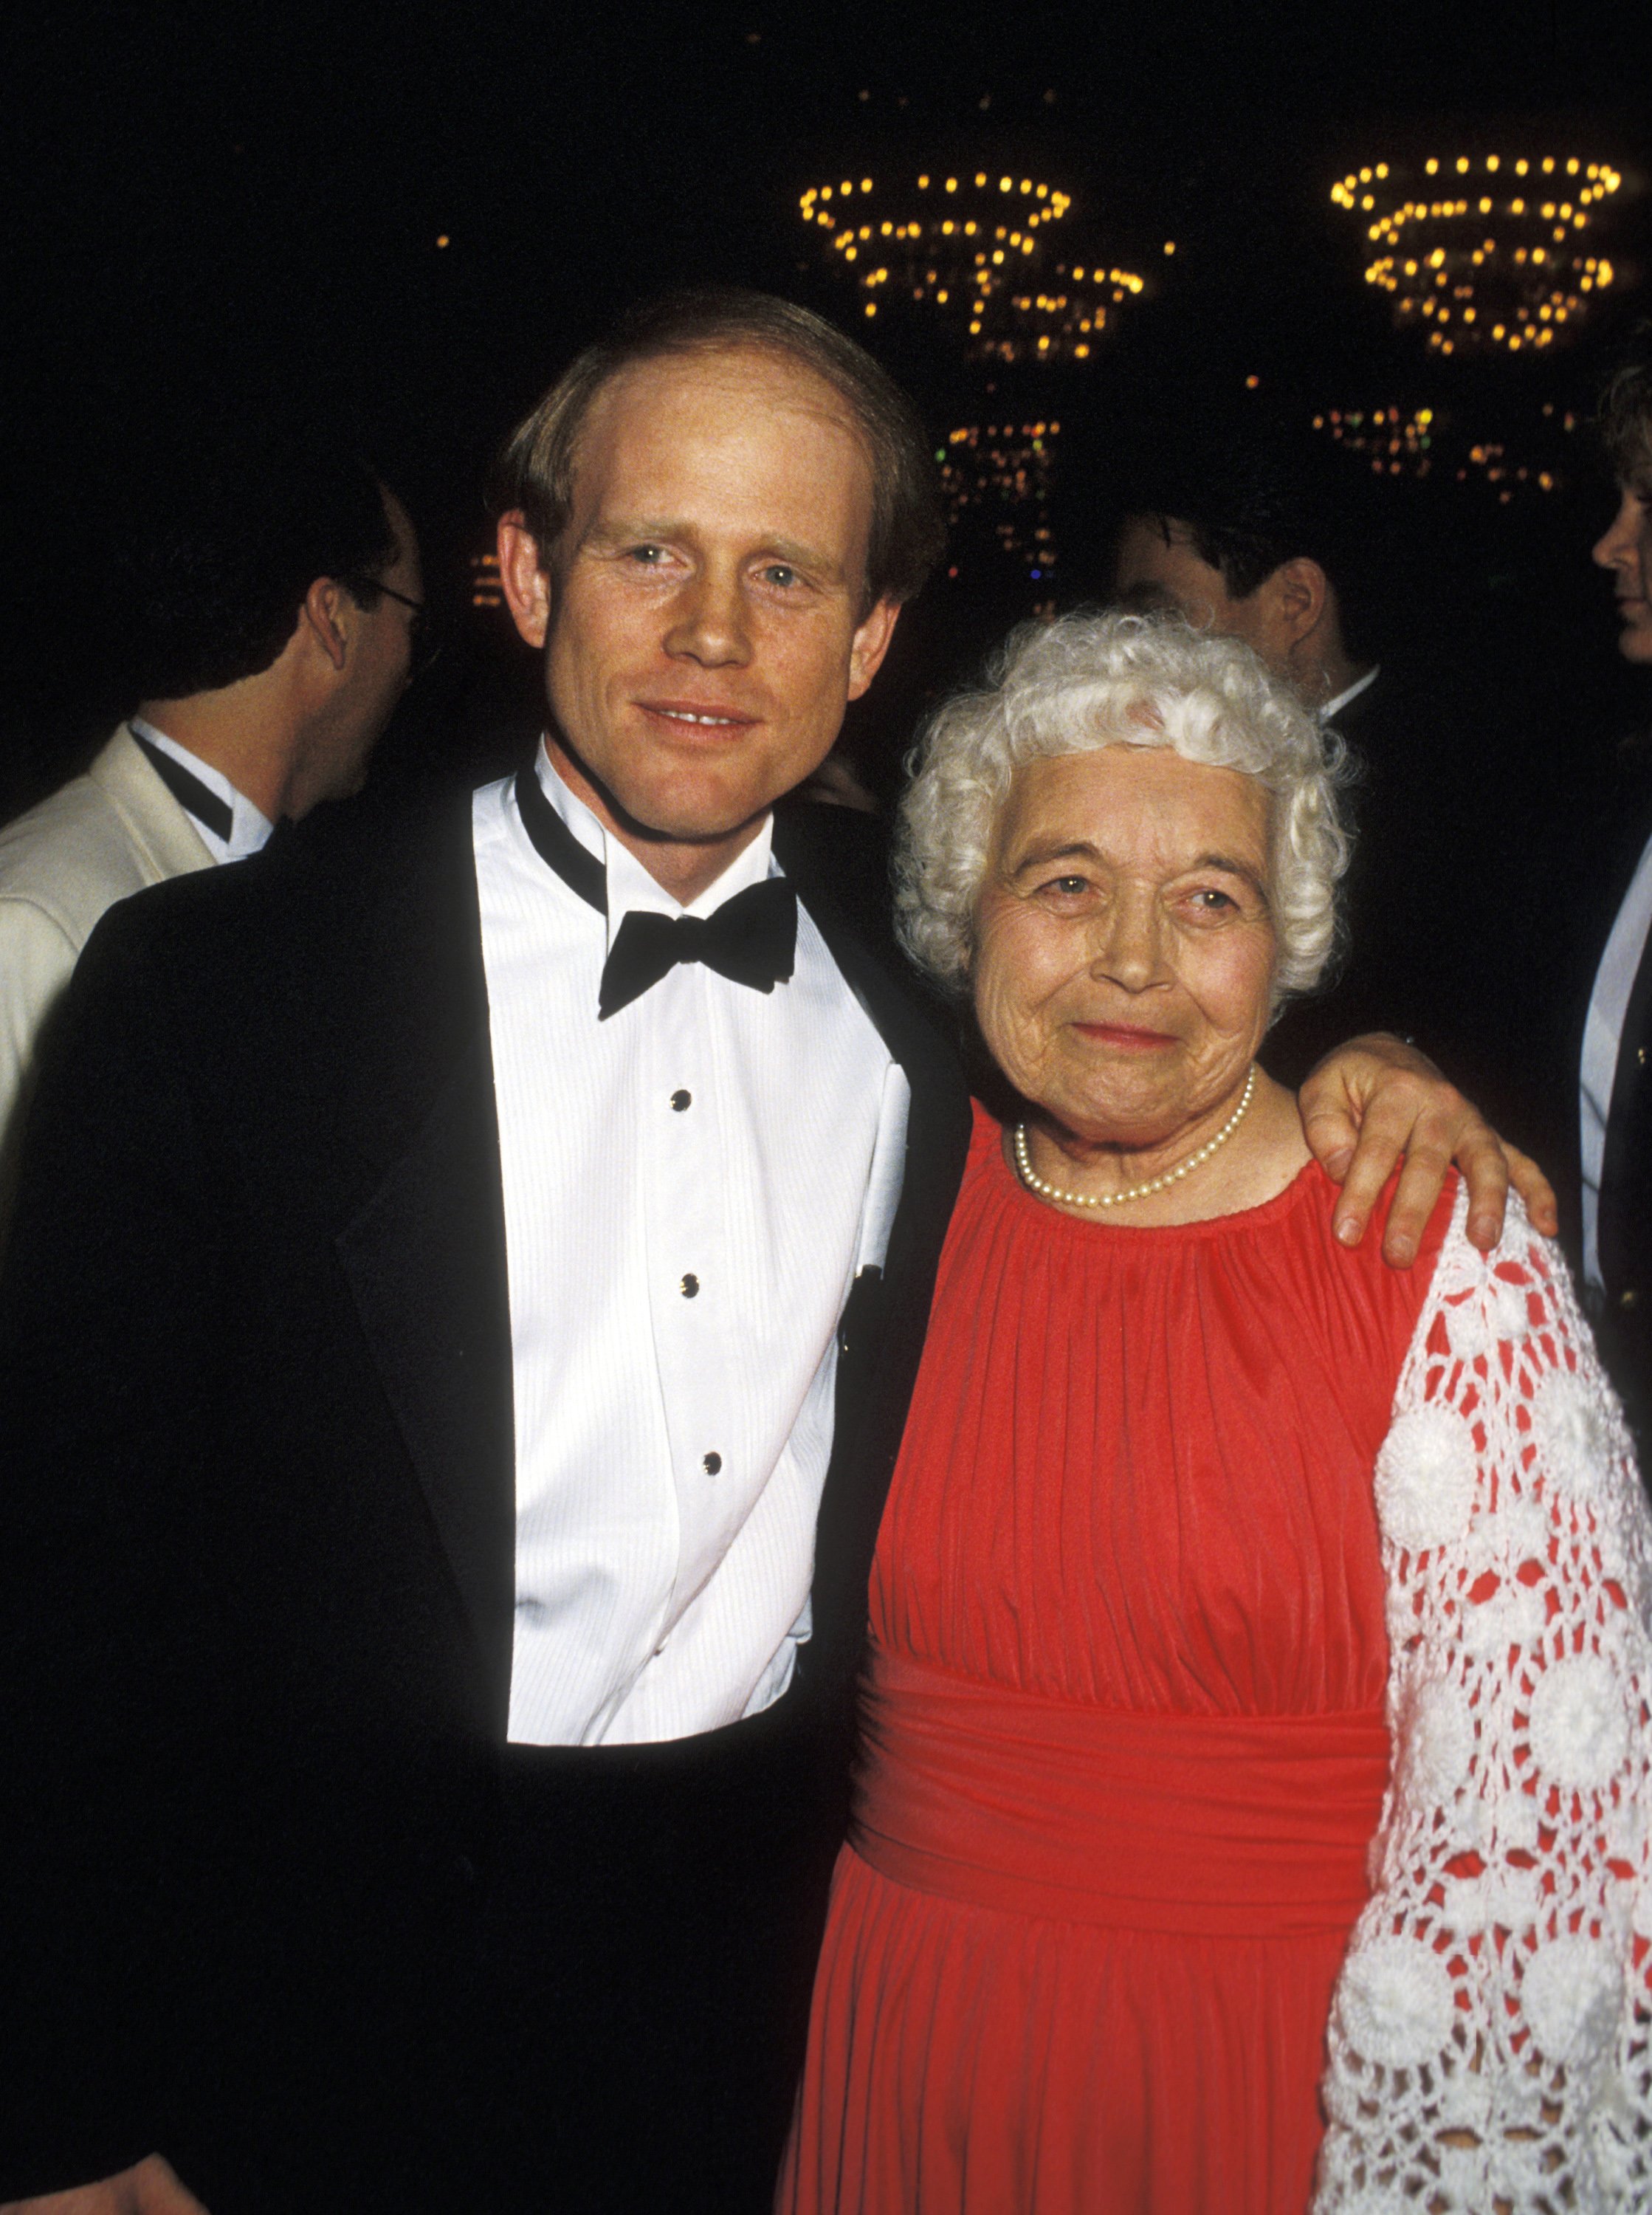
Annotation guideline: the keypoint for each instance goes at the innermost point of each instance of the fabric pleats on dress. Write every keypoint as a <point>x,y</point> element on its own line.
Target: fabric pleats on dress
<point>1123,1744</point>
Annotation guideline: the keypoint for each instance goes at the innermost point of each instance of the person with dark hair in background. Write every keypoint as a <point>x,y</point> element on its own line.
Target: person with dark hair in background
<point>269,586</point>
<point>1257,528</point>
<point>468,1276</point>
<point>1610,889</point>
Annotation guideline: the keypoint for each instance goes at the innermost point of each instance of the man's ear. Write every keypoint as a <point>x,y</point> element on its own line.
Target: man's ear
<point>870,644</point>
<point>324,613</point>
<point>523,577</point>
<point>1301,592</point>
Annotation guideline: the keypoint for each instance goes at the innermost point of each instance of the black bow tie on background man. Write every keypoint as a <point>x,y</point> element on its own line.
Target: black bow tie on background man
<point>752,939</point>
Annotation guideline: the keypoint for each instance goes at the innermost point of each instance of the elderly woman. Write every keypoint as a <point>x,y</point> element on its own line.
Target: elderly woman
<point>1256,1735</point>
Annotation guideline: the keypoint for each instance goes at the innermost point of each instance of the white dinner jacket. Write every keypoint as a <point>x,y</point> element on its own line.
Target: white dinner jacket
<point>101,837</point>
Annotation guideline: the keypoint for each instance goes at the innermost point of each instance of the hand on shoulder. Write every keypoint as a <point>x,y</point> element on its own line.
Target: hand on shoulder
<point>1377,1100</point>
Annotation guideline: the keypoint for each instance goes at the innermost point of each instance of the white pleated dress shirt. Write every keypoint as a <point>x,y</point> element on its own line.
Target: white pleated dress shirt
<point>1614,981</point>
<point>250,827</point>
<point>690,1188</point>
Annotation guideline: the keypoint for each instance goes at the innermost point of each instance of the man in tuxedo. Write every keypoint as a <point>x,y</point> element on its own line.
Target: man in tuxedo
<point>270,581</point>
<point>1258,527</point>
<point>468,1275</point>
<point>1613,990</point>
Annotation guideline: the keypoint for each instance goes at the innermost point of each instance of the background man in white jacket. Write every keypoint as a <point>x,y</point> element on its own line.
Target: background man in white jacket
<point>274,602</point>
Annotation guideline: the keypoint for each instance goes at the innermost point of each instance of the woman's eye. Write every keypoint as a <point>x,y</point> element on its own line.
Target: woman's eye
<point>1069,887</point>
<point>1211,900</point>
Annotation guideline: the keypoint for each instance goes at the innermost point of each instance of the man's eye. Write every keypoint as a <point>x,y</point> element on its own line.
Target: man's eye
<point>651,556</point>
<point>781,574</point>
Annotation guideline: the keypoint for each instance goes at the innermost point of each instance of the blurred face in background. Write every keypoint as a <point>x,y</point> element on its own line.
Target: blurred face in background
<point>1158,565</point>
<point>1626,550</point>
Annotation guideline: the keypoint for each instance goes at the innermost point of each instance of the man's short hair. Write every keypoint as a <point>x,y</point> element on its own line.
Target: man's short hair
<point>1254,490</point>
<point>1625,416</point>
<point>223,532</point>
<point>535,469</point>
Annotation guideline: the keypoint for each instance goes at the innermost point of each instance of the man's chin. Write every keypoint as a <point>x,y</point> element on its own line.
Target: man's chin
<point>669,827</point>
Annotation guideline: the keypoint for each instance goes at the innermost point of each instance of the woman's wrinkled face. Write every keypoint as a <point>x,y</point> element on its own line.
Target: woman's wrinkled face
<point>1124,943</point>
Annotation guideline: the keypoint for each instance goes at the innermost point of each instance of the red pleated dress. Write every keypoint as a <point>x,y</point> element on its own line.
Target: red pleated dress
<point>1123,1742</point>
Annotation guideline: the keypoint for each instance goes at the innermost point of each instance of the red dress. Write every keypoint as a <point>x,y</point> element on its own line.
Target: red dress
<point>1123,1734</point>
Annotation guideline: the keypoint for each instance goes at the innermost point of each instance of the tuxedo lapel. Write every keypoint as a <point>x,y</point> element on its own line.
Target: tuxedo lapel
<point>881,1337</point>
<point>423,1250</point>
<point>1625,1121</point>
<point>422,1242</point>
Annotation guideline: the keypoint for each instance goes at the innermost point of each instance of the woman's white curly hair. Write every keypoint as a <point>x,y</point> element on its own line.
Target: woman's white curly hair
<point>1088,681</point>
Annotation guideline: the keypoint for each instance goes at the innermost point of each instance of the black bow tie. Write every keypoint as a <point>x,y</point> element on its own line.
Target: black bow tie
<point>752,939</point>
<point>195,798</point>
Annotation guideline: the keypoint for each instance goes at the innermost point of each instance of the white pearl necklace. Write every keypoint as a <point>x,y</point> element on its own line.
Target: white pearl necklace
<point>1035,1183</point>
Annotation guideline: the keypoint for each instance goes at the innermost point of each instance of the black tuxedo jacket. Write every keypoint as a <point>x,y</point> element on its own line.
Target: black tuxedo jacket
<point>257,1525</point>
<point>1436,901</point>
<point>1602,858</point>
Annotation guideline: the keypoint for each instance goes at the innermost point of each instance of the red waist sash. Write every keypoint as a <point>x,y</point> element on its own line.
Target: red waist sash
<point>1245,1826</point>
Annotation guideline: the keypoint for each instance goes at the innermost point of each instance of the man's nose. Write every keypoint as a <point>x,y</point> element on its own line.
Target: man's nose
<point>709,621</point>
<point>1617,542</point>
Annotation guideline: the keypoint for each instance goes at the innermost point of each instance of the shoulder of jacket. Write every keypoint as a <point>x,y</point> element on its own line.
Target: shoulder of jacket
<point>70,856</point>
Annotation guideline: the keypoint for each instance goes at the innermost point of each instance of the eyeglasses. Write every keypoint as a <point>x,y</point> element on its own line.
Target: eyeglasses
<point>422,648</point>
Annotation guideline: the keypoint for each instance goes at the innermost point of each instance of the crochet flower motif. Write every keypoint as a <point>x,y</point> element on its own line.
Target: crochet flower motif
<point>1426,1478</point>
<point>1571,1434</point>
<point>1579,1728</point>
<point>1570,1993</point>
<point>1397,2002</point>
<point>1437,1737</point>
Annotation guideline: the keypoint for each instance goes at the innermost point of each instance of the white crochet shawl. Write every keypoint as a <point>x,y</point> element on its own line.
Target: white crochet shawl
<point>1490,2041</point>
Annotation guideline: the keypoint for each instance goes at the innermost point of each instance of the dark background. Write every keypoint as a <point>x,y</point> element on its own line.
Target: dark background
<point>198,198</point>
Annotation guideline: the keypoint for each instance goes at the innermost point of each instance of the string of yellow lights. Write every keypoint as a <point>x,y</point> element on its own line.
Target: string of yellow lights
<point>971,244</point>
<point>1484,252</point>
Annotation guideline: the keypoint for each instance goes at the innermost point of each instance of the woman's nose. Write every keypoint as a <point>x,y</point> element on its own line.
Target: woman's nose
<point>1128,949</point>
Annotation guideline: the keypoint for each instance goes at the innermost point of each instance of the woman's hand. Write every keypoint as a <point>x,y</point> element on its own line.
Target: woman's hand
<point>1376,1099</point>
